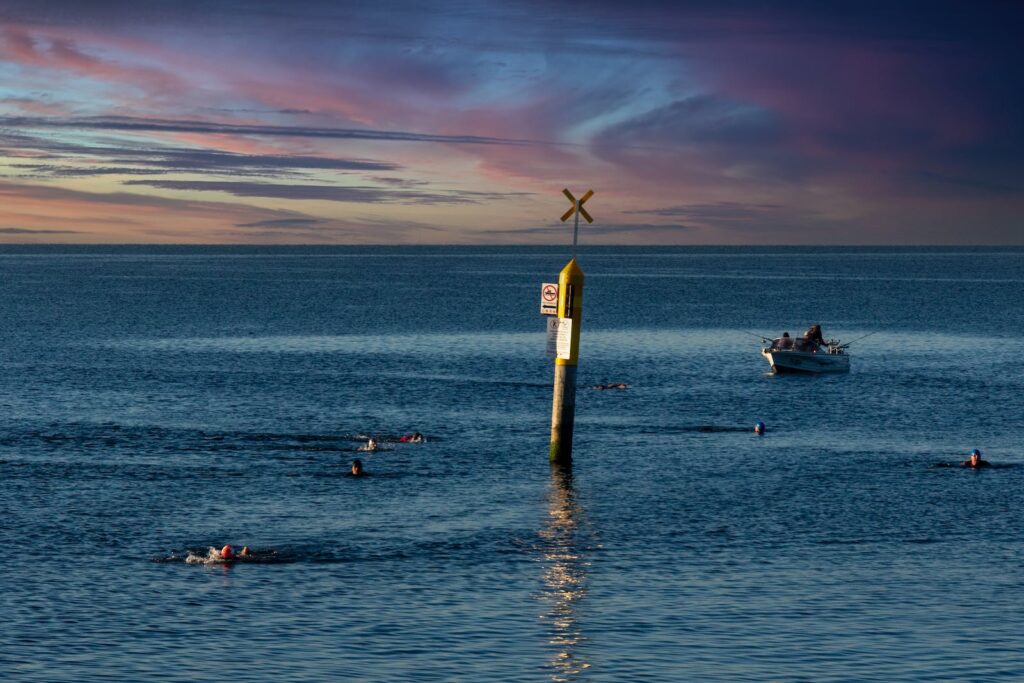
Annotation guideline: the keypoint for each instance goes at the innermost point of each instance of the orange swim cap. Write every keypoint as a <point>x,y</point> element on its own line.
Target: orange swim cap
<point>227,552</point>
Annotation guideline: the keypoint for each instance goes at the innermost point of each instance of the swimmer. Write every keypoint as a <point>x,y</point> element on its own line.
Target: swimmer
<point>975,460</point>
<point>357,469</point>
<point>415,437</point>
<point>225,555</point>
<point>245,552</point>
<point>613,385</point>
<point>759,428</point>
<point>370,445</point>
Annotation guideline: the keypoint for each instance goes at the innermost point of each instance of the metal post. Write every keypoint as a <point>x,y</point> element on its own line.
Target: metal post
<point>575,229</point>
<point>563,407</point>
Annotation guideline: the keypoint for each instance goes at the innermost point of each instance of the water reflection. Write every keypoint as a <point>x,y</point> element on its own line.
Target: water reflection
<point>565,575</point>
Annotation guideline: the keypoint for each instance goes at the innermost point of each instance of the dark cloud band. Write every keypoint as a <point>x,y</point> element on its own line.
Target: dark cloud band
<point>130,124</point>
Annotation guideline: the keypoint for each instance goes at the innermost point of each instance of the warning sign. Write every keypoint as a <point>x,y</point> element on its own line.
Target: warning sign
<point>559,338</point>
<point>549,298</point>
<point>577,206</point>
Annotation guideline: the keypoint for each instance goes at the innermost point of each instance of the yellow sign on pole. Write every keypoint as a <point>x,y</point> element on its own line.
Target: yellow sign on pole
<point>564,338</point>
<point>577,205</point>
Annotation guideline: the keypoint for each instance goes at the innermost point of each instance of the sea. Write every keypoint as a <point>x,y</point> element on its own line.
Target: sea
<point>156,402</point>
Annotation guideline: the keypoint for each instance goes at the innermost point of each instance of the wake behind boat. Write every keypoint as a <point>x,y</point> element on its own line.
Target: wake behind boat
<point>808,354</point>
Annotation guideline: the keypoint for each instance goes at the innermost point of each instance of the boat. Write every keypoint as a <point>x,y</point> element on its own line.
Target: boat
<point>808,354</point>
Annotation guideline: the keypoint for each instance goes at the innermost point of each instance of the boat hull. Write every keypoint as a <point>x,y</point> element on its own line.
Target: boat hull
<point>807,363</point>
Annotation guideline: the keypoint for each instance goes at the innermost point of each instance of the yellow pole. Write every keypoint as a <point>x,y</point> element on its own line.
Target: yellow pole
<point>563,408</point>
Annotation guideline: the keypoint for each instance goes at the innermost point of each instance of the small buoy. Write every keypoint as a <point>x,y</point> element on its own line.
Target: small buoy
<point>227,552</point>
<point>759,427</point>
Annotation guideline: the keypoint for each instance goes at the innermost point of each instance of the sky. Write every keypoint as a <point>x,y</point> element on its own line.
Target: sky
<point>333,122</point>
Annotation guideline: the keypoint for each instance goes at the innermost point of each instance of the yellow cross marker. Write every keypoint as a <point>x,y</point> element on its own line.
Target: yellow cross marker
<point>577,205</point>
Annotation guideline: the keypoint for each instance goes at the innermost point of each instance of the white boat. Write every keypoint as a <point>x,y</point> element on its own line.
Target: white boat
<point>801,355</point>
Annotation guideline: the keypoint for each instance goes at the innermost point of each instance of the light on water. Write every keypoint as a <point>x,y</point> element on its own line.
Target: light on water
<point>147,416</point>
<point>565,576</point>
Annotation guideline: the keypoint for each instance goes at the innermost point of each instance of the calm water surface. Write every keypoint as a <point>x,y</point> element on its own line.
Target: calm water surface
<point>155,402</point>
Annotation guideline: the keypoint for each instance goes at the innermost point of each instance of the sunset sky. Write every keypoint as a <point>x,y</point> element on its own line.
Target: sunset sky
<point>460,122</point>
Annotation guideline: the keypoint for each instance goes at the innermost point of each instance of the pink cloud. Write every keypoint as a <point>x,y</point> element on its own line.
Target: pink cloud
<point>123,216</point>
<point>53,51</point>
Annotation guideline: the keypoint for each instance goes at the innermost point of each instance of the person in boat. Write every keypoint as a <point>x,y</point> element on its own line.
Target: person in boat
<point>357,469</point>
<point>975,461</point>
<point>783,343</point>
<point>813,338</point>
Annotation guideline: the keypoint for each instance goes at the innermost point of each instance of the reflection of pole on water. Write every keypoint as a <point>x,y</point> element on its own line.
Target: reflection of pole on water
<point>565,576</point>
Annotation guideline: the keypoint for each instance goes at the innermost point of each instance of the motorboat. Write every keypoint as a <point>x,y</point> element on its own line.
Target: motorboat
<point>806,355</point>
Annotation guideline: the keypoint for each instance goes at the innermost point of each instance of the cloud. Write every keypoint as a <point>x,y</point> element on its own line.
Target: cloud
<point>740,217</point>
<point>66,159</point>
<point>702,139</point>
<point>123,203</point>
<point>57,171</point>
<point>120,199</point>
<point>36,231</point>
<point>282,223</point>
<point>597,229</point>
<point>1001,186</point>
<point>331,230</point>
<point>60,53</point>
<point>721,211</point>
<point>130,217</point>
<point>730,122</point>
<point>702,119</point>
<point>330,193</point>
<point>132,124</point>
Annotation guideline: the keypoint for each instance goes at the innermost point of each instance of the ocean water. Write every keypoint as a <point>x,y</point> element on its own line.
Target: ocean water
<point>155,402</point>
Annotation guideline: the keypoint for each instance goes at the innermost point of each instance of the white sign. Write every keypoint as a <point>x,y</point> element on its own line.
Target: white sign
<point>549,298</point>
<point>559,338</point>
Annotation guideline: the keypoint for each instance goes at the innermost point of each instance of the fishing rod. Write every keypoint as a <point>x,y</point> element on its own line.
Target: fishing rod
<point>759,336</point>
<point>843,346</point>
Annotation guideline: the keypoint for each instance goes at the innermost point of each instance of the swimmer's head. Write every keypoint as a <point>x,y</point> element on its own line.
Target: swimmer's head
<point>759,427</point>
<point>976,452</point>
<point>245,551</point>
<point>357,466</point>
<point>785,334</point>
<point>227,552</point>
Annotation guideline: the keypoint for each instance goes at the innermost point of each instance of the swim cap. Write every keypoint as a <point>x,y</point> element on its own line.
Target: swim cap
<point>976,452</point>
